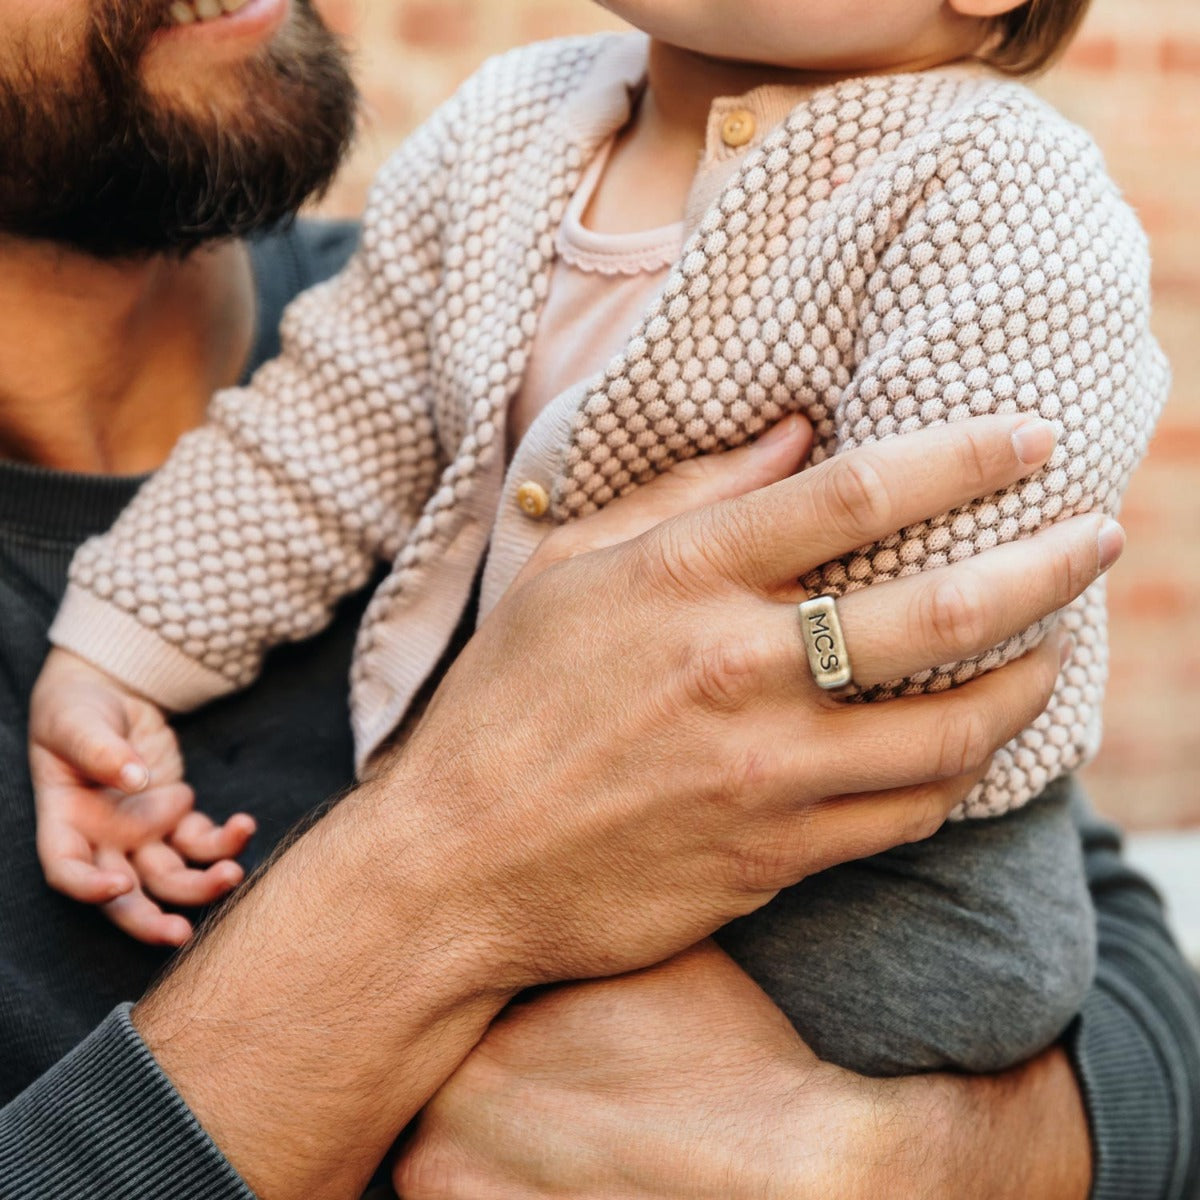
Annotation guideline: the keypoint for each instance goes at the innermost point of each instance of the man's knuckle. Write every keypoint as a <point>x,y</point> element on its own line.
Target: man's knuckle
<point>725,674</point>
<point>663,559</point>
<point>965,745</point>
<point>1070,574</point>
<point>955,618</point>
<point>763,865</point>
<point>975,461</point>
<point>696,552</point>
<point>925,816</point>
<point>857,499</point>
<point>424,1173</point>
<point>749,769</point>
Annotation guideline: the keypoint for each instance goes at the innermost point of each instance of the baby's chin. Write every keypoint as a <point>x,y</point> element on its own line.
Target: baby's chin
<point>818,40</point>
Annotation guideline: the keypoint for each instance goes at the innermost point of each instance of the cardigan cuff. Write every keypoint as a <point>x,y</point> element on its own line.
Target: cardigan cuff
<point>110,638</point>
<point>106,1123</point>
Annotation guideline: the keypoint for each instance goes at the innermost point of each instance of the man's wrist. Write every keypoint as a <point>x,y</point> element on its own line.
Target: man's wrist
<point>329,1002</point>
<point>1018,1135</point>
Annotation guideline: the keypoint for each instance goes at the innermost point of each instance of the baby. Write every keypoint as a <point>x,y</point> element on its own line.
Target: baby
<point>608,254</point>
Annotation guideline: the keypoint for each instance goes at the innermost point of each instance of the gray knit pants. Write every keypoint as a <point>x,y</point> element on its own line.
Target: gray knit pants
<point>970,951</point>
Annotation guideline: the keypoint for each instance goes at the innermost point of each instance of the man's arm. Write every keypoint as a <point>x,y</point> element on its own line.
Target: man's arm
<point>347,981</point>
<point>561,1094</point>
<point>686,1080</point>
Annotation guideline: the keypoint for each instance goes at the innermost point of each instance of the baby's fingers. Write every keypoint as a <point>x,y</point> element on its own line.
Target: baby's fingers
<point>90,739</point>
<point>138,915</point>
<point>142,919</point>
<point>68,863</point>
<point>166,876</point>
<point>199,839</point>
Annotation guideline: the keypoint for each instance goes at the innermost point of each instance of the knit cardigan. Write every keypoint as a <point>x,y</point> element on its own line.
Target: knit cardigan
<point>899,252</point>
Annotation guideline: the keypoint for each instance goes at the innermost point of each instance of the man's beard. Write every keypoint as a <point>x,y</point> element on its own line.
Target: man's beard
<point>90,161</point>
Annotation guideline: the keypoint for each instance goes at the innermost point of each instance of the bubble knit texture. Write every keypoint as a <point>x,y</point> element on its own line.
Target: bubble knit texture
<point>903,251</point>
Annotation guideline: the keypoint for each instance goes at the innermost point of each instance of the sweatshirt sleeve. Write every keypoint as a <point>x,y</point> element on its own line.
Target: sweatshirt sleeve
<point>1136,1044</point>
<point>106,1123</point>
<point>1018,282</point>
<point>296,485</point>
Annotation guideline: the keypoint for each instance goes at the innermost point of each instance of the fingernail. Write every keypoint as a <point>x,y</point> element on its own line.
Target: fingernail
<point>1066,647</point>
<point>134,777</point>
<point>1034,441</point>
<point>1111,541</point>
<point>783,431</point>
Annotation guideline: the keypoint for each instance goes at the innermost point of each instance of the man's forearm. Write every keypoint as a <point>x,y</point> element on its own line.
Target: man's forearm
<point>329,1003</point>
<point>686,1080</point>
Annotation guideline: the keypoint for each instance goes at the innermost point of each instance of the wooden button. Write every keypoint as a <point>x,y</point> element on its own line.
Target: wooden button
<point>533,499</point>
<point>738,128</point>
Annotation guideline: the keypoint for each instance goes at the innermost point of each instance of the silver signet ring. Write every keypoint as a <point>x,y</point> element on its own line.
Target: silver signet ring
<point>828,658</point>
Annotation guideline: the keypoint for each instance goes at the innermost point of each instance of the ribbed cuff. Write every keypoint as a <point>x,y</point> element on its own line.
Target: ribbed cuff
<point>105,1123</point>
<point>1142,1141</point>
<point>114,641</point>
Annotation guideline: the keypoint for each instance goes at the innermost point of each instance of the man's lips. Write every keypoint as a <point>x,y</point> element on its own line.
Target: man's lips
<point>239,24</point>
<point>188,12</point>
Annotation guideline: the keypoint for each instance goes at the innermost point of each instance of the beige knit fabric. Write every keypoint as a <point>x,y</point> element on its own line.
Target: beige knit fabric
<point>903,251</point>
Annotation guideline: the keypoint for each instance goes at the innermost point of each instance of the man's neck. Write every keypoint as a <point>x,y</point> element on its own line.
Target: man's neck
<point>104,365</point>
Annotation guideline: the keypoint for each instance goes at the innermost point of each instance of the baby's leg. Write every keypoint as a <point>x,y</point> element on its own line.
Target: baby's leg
<point>970,951</point>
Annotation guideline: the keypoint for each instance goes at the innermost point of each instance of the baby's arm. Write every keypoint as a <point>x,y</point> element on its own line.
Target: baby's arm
<point>1021,283</point>
<point>115,821</point>
<point>257,525</point>
<point>283,502</point>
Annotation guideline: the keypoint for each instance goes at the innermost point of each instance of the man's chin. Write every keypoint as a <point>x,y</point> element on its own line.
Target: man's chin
<point>137,155</point>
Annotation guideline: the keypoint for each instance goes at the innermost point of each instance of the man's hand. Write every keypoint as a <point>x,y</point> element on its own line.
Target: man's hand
<point>116,822</point>
<point>628,754</point>
<point>682,648</point>
<point>685,1081</point>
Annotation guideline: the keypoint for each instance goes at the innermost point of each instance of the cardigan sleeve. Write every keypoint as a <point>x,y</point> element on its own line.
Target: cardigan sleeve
<point>1018,281</point>
<point>1135,1046</point>
<point>296,485</point>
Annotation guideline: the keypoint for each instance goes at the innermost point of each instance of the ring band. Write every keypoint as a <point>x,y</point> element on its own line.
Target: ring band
<point>828,658</point>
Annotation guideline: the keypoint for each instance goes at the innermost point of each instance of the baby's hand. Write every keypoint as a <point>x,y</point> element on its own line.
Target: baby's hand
<point>116,824</point>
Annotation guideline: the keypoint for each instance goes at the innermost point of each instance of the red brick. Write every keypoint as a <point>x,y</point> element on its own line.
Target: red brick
<point>1179,55</point>
<point>1176,442</point>
<point>1151,600</point>
<point>1092,52</point>
<point>438,24</point>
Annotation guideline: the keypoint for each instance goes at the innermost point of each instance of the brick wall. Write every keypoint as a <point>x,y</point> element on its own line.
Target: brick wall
<point>1133,78</point>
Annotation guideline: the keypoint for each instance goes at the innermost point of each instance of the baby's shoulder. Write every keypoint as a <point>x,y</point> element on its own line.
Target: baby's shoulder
<point>1010,122</point>
<point>953,112</point>
<point>519,87</point>
<point>961,138</point>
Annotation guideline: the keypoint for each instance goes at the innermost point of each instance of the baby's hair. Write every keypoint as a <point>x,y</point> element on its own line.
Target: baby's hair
<point>1031,37</point>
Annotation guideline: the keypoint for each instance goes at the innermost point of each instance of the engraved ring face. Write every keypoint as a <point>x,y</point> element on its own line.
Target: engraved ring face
<point>828,658</point>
